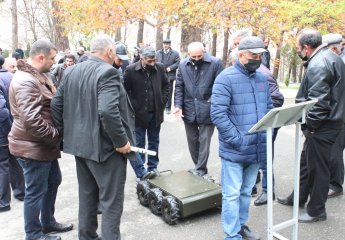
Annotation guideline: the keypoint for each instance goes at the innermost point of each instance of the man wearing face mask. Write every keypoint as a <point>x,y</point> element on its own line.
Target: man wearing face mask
<point>324,80</point>
<point>336,167</point>
<point>195,78</point>
<point>240,98</point>
<point>147,85</point>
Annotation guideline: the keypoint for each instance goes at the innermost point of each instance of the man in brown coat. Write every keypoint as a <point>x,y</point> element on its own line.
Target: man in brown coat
<point>34,141</point>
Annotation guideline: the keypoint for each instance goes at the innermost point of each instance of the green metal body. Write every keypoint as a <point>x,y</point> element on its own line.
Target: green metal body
<point>193,193</point>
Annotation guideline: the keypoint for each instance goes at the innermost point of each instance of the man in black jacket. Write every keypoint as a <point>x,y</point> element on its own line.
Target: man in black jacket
<point>170,59</point>
<point>94,113</point>
<point>324,80</point>
<point>195,78</point>
<point>148,88</point>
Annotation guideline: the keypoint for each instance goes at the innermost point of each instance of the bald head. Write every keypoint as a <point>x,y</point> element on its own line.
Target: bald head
<point>10,64</point>
<point>196,51</point>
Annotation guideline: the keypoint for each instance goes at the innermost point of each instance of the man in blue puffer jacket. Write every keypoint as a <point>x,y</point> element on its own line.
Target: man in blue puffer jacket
<point>240,98</point>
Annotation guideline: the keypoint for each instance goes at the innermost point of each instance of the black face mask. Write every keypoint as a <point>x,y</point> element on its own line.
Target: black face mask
<point>252,65</point>
<point>149,67</point>
<point>197,62</point>
<point>115,66</point>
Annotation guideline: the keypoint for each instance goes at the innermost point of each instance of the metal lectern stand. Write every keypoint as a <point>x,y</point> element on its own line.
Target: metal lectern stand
<point>278,117</point>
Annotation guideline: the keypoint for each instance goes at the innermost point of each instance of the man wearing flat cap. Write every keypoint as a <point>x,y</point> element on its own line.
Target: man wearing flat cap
<point>147,85</point>
<point>240,98</point>
<point>336,166</point>
<point>170,59</point>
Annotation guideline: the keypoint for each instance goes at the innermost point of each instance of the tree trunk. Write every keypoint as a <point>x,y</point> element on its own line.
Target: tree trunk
<point>140,36</point>
<point>60,39</point>
<point>293,73</point>
<point>225,47</point>
<point>300,75</point>
<point>189,34</point>
<point>159,38</point>
<point>168,33</point>
<point>14,24</point>
<point>214,44</point>
<point>118,34</point>
<point>277,59</point>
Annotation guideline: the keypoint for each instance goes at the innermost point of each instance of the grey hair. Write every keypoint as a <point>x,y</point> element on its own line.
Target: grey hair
<point>195,45</point>
<point>241,34</point>
<point>41,46</point>
<point>101,42</point>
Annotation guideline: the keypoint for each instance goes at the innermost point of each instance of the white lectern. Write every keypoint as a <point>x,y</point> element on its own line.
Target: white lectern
<point>278,117</point>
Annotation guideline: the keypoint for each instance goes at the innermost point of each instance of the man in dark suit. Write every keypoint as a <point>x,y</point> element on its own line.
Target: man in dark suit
<point>148,87</point>
<point>170,59</point>
<point>93,111</point>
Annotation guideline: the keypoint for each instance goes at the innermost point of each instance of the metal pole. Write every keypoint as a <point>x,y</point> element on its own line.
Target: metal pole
<point>296,180</point>
<point>269,185</point>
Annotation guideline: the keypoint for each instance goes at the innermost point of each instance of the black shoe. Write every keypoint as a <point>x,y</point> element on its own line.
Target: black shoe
<point>200,173</point>
<point>332,193</point>
<point>306,218</point>
<point>19,198</point>
<point>258,178</point>
<point>5,209</point>
<point>262,199</point>
<point>46,237</point>
<point>57,227</point>
<point>288,202</point>
<point>147,175</point>
<point>247,234</point>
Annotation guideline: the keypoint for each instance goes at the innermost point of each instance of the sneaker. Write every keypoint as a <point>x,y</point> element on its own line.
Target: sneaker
<point>247,234</point>
<point>147,175</point>
<point>200,173</point>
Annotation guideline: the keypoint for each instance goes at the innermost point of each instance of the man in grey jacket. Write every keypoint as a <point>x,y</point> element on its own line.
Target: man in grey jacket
<point>93,111</point>
<point>170,59</point>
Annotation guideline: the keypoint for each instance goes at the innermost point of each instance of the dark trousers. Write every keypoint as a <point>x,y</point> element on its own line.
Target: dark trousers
<point>152,132</point>
<point>101,183</point>
<point>171,90</point>
<point>199,138</point>
<point>314,172</point>
<point>42,179</point>
<point>337,163</point>
<point>11,173</point>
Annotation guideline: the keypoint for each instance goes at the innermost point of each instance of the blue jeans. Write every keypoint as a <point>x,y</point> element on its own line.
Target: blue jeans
<point>237,182</point>
<point>152,132</point>
<point>42,179</point>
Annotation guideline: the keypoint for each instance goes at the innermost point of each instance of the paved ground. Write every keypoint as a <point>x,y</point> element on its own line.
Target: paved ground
<point>139,224</point>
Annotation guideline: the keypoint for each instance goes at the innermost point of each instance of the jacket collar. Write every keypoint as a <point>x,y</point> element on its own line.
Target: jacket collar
<point>3,69</point>
<point>318,49</point>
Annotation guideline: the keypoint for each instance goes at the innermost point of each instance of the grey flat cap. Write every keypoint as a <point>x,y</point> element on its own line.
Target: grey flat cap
<point>121,51</point>
<point>332,38</point>
<point>252,44</point>
<point>167,40</point>
<point>148,52</point>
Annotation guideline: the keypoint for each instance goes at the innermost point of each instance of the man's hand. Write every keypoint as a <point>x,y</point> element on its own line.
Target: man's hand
<point>178,113</point>
<point>124,149</point>
<point>168,69</point>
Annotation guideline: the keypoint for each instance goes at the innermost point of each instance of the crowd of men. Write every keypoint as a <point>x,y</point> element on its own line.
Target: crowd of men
<point>96,107</point>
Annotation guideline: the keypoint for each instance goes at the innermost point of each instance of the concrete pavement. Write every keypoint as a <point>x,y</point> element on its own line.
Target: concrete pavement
<point>138,223</point>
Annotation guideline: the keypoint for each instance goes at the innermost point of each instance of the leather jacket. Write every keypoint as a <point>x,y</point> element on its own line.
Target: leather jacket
<point>33,134</point>
<point>324,80</point>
